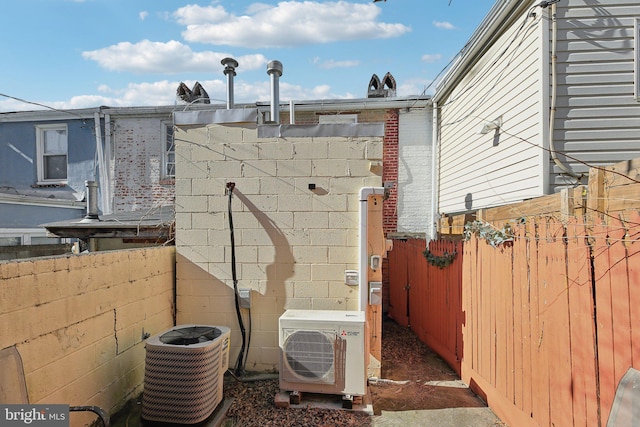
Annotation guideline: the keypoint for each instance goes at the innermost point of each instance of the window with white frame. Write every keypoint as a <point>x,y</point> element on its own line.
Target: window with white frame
<point>28,236</point>
<point>169,152</point>
<point>51,142</point>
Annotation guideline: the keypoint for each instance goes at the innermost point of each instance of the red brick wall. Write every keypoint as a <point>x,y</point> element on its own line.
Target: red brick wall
<point>389,174</point>
<point>390,171</point>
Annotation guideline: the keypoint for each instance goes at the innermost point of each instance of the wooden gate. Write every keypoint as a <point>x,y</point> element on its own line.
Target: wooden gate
<point>427,298</point>
<point>399,279</point>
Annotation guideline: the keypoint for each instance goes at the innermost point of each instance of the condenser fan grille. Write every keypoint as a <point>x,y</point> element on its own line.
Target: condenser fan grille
<point>311,354</point>
<point>190,335</point>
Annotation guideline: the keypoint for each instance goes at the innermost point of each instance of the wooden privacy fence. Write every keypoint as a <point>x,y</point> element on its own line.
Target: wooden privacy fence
<point>543,327</point>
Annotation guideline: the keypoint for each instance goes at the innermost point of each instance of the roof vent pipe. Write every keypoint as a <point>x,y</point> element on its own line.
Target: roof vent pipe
<point>274,69</point>
<point>230,66</point>
<point>92,201</point>
<point>292,113</point>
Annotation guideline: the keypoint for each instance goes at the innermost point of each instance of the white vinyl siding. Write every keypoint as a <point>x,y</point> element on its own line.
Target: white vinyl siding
<point>598,113</point>
<point>479,170</point>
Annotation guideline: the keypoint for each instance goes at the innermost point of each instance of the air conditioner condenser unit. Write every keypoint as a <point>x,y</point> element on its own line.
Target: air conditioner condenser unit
<point>184,373</point>
<point>323,351</point>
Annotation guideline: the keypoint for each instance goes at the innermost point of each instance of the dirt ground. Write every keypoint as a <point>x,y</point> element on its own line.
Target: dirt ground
<point>406,359</point>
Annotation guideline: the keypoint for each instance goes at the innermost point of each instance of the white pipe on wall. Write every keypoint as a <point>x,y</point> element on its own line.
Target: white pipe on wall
<point>435,176</point>
<point>109,165</point>
<point>292,113</point>
<point>101,167</point>
<point>363,264</point>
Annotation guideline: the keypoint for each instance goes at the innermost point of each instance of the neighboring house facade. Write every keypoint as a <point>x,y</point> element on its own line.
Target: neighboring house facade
<point>143,159</point>
<point>46,158</point>
<point>295,205</point>
<point>541,93</point>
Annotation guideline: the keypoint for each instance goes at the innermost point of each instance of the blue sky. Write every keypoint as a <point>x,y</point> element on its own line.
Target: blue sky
<point>86,53</point>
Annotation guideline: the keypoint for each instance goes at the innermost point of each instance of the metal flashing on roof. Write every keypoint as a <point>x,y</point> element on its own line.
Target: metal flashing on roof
<point>32,200</point>
<point>156,223</point>
<point>204,117</point>
<point>415,101</point>
<point>321,130</point>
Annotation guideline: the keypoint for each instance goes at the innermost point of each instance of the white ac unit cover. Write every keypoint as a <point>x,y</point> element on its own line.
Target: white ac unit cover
<point>323,351</point>
<point>184,373</point>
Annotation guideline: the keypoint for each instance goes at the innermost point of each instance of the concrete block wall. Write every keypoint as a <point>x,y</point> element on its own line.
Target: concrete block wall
<point>138,154</point>
<point>78,322</point>
<point>293,244</point>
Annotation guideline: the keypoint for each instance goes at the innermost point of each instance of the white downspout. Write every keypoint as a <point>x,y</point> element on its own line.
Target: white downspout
<point>554,90</point>
<point>108,156</point>
<point>101,165</point>
<point>363,267</point>
<point>435,152</point>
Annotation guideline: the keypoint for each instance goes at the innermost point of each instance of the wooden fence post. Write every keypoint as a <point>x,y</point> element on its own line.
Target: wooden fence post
<point>595,197</point>
<point>566,205</point>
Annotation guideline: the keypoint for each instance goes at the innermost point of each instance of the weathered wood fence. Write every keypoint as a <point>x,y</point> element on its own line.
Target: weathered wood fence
<point>542,327</point>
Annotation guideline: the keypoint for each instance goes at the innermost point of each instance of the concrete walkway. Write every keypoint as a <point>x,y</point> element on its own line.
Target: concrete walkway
<point>451,417</point>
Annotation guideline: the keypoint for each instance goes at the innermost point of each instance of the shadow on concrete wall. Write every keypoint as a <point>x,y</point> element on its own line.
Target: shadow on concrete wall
<point>281,268</point>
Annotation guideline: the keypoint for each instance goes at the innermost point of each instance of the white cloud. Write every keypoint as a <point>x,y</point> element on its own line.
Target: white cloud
<point>431,57</point>
<point>143,15</point>
<point>164,93</point>
<point>289,23</point>
<point>169,58</point>
<point>413,87</point>
<point>194,14</point>
<point>443,25</point>
<point>140,94</point>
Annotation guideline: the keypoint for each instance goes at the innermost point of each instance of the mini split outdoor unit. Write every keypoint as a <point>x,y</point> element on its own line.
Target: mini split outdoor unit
<point>323,351</point>
<point>184,373</point>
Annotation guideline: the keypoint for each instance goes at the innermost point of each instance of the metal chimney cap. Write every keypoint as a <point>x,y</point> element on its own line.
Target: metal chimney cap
<point>230,65</point>
<point>274,67</point>
<point>229,62</point>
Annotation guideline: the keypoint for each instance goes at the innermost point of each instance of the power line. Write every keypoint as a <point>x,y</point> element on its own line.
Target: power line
<point>39,105</point>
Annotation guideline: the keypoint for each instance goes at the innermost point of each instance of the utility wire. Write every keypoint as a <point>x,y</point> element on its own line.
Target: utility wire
<point>479,78</point>
<point>39,105</point>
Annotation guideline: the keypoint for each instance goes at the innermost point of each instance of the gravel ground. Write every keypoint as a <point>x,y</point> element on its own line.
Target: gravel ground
<point>254,406</point>
<point>405,361</point>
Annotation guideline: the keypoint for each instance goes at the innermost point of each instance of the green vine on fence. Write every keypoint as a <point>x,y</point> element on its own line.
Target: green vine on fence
<point>440,261</point>
<point>488,232</point>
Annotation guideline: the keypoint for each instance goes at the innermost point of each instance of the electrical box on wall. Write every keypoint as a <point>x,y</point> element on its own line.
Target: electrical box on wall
<point>351,277</point>
<point>245,298</point>
<point>375,293</point>
<point>374,262</point>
